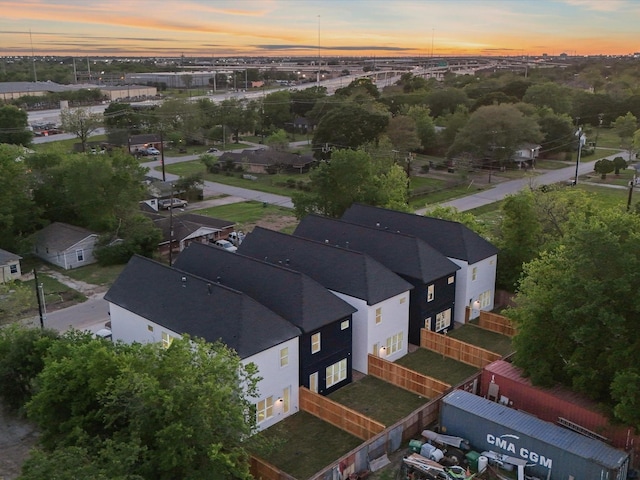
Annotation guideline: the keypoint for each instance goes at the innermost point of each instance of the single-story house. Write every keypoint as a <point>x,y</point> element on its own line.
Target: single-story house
<point>269,161</point>
<point>138,142</point>
<point>65,245</point>
<point>188,228</point>
<point>526,154</point>
<point>9,266</point>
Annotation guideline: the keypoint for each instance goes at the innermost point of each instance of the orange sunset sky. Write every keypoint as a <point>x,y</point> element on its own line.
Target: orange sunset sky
<point>220,28</point>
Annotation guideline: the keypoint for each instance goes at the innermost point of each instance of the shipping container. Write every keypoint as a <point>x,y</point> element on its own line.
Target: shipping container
<point>551,452</point>
<point>505,383</point>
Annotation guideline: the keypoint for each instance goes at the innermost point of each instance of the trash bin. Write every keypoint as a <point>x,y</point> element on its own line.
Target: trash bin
<point>415,445</point>
<point>472,458</point>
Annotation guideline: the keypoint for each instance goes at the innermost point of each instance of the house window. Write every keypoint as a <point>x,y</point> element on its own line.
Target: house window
<point>344,325</point>
<point>451,279</point>
<point>430,293</point>
<point>336,372</point>
<point>403,300</point>
<point>378,316</point>
<point>394,343</point>
<point>167,340</point>
<point>264,409</point>
<point>13,268</point>
<point>485,299</point>
<point>284,356</point>
<point>315,342</point>
<point>427,323</point>
<point>313,382</point>
<point>80,255</point>
<point>474,274</point>
<point>286,400</point>
<point>150,328</point>
<point>443,320</point>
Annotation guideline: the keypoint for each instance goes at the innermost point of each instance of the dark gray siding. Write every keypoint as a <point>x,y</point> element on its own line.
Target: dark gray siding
<point>491,426</point>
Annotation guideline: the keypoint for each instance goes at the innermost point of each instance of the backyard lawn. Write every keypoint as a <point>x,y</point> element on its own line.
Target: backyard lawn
<point>437,366</point>
<point>482,338</point>
<point>304,444</point>
<point>378,400</point>
<point>94,274</point>
<point>247,215</point>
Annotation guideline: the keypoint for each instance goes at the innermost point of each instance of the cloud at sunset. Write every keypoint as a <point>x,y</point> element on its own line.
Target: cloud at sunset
<point>285,27</point>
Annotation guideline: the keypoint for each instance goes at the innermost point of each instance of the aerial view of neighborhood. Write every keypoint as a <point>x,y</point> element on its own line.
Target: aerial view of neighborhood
<point>320,240</point>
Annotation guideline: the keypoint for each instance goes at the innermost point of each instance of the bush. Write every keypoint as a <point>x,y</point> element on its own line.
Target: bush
<point>117,254</point>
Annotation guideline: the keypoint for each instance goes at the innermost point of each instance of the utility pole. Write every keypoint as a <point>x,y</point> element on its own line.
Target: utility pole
<point>164,175</point>
<point>581,139</point>
<point>631,183</point>
<point>40,297</point>
<point>318,79</point>
<point>33,60</point>
<point>171,227</point>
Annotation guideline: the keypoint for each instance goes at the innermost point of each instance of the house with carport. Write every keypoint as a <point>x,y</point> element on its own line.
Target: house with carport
<point>381,322</point>
<point>152,302</point>
<point>323,319</point>
<point>476,257</point>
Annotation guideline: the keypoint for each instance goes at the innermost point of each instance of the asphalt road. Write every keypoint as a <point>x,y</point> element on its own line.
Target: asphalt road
<point>90,315</point>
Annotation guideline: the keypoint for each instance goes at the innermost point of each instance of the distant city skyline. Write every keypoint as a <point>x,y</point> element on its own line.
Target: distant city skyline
<point>220,28</point>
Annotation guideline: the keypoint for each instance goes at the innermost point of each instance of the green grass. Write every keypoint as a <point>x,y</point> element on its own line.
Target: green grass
<point>245,212</point>
<point>622,179</point>
<point>482,338</point>
<point>95,274</point>
<point>305,444</point>
<point>437,366</point>
<point>64,145</point>
<point>55,293</point>
<point>378,399</point>
<point>443,195</point>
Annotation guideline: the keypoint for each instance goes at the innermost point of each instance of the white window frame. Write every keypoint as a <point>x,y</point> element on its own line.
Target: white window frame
<point>378,315</point>
<point>80,255</point>
<point>284,357</point>
<point>344,324</point>
<point>313,382</point>
<point>13,269</point>
<point>336,373</point>
<point>451,279</point>
<point>167,340</point>
<point>315,342</point>
<point>485,299</point>
<point>443,320</point>
<point>394,343</point>
<point>431,293</point>
<point>474,274</point>
<point>264,410</point>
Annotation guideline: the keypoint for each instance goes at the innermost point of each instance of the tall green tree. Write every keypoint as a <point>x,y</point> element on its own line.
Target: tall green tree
<point>348,126</point>
<point>19,214</point>
<point>495,131</point>
<point>352,176</point>
<point>576,311</point>
<point>425,128</point>
<point>14,126</point>
<point>550,94</point>
<point>276,110</point>
<point>403,134</point>
<point>81,122</point>
<point>177,412</point>
<point>625,127</point>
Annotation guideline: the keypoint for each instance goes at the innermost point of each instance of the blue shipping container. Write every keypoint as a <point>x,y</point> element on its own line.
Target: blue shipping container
<point>548,448</point>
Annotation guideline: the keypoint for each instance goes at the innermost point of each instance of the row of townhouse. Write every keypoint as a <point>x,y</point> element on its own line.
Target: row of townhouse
<point>309,308</point>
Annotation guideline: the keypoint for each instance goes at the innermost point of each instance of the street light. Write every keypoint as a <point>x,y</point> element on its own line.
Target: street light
<point>581,139</point>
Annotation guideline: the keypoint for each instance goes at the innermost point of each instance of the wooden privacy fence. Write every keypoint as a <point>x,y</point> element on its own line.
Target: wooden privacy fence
<point>460,351</point>
<point>338,415</point>
<point>496,323</point>
<point>405,378</point>
<point>262,470</point>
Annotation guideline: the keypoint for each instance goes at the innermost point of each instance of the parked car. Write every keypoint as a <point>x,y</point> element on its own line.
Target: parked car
<point>212,150</point>
<point>174,202</point>
<point>236,238</point>
<point>226,245</point>
<point>152,151</point>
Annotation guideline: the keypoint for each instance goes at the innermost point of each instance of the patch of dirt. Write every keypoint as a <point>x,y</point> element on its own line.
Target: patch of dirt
<point>17,437</point>
<point>275,222</point>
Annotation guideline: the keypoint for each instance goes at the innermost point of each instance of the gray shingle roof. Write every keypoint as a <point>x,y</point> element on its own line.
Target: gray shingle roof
<point>61,236</point>
<point>187,304</point>
<point>289,293</point>
<point>452,239</point>
<point>185,224</point>
<point>6,257</point>
<point>403,254</point>
<point>346,271</point>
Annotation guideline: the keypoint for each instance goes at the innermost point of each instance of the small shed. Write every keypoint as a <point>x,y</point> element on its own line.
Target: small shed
<point>66,246</point>
<point>9,266</point>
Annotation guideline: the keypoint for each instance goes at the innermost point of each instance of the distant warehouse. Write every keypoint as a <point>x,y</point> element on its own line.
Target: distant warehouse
<point>551,452</point>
